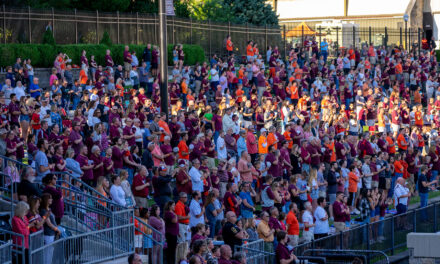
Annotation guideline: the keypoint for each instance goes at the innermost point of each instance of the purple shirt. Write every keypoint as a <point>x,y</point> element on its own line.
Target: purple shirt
<point>72,137</point>
<point>117,157</point>
<point>166,149</point>
<point>128,131</point>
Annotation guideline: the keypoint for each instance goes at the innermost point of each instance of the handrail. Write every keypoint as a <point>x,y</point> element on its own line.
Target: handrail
<point>161,241</point>
<point>17,249</point>
<point>350,251</point>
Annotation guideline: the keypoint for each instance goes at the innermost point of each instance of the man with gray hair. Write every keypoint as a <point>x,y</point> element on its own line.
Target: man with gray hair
<point>309,226</point>
<point>27,188</point>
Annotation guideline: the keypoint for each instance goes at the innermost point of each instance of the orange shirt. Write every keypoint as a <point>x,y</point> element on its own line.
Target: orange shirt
<point>353,180</point>
<point>286,135</point>
<point>165,127</point>
<point>399,68</point>
<point>229,45</point>
<point>239,94</point>
<point>292,221</point>
<point>240,74</point>
<point>271,140</point>
<point>331,147</point>
<point>398,167</point>
<point>381,120</point>
<point>298,73</point>
<point>256,52</point>
<point>417,97</point>
<point>418,118</point>
<point>262,145</point>
<point>83,77</point>
<point>249,50</point>
<point>184,87</point>
<point>391,146</point>
<point>180,211</point>
<point>401,141</point>
<point>302,102</point>
<point>183,148</point>
<point>293,92</point>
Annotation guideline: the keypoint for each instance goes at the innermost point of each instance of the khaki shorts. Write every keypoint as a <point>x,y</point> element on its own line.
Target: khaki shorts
<point>339,226</point>
<point>293,240</point>
<point>374,184</point>
<point>141,201</point>
<point>127,66</point>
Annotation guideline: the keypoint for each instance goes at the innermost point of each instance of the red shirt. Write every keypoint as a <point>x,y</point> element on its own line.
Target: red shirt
<point>138,180</point>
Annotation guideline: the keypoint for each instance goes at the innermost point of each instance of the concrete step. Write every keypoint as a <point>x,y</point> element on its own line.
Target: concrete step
<point>124,260</point>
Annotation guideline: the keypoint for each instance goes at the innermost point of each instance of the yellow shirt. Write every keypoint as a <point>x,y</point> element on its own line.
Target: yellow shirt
<point>263,231</point>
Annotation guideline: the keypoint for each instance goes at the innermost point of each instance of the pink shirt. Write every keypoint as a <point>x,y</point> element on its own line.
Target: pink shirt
<point>241,166</point>
<point>156,151</point>
<point>250,140</point>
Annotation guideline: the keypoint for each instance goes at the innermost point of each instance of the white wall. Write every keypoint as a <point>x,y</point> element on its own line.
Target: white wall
<point>436,29</point>
<point>310,8</point>
<point>377,7</point>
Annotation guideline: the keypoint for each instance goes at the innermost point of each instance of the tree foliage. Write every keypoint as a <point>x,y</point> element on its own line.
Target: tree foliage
<point>48,37</point>
<point>256,12</point>
<point>106,39</point>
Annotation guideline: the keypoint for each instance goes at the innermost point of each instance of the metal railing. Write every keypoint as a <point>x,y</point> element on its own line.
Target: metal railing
<point>19,254</point>
<point>151,240</point>
<point>338,256</point>
<point>7,191</point>
<point>5,252</point>
<point>387,235</point>
<point>92,247</point>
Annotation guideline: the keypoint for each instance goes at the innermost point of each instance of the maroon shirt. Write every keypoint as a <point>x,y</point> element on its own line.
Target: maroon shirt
<point>118,158</point>
<point>187,187</point>
<point>129,131</point>
<point>84,161</point>
<point>138,180</point>
<point>166,149</point>
<point>170,227</point>
<point>99,171</point>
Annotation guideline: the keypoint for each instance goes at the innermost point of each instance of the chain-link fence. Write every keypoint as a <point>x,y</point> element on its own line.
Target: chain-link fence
<point>26,25</point>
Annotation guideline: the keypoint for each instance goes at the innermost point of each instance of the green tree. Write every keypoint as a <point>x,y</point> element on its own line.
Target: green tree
<point>48,37</point>
<point>106,39</point>
<point>215,10</point>
<point>256,12</point>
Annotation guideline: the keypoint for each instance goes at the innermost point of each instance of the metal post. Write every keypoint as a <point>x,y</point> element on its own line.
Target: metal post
<point>409,39</point>
<point>174,37</point>
<point>319,30</point>
<point>367,226</point>
<point>435,205</point>
<point>247,31</point>
<point>386,37</point>
<point>155,28</point>
<point>354,37</point>
<point>137,28</point>
<point>406,35</point>
<point>53,23</point>
<point>97,27</point>
<point>302,35</point>
<point>29,24</point>
<point>4,24</point>
<point>418,47</point>
<point>341,239</point>
<point>285,40</point>
<point>163,58</point>
<point>210,41</point>
<point>117,14</point>
<point>392,233</point>
<point>401,36</point>
<point>265,36</point>
<point>76,30</point>
<point>369,36</point>
<point>190,31</point>
<point>415,219</point>
<point>229,28</point>
<point>337,41</point>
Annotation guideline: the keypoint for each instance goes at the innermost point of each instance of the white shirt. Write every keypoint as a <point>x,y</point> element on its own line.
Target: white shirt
<point>221,149</point>
<point>214,75</point>
<point>321,226</point>
<point>196,179</point>
<point>195,209</point>
<point>400,190</point>
<point>43,113</point>
<point>308,218</point>
<point>118,194</point>
<point>138,133</point>
<point>19,92</point>
<point>227,122</point>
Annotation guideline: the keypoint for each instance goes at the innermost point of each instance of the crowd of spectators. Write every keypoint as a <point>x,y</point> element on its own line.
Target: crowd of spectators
<point>271,148</point>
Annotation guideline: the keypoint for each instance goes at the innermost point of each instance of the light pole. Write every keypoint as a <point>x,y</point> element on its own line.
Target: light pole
<point>406,18</point>
<point>163,82</point>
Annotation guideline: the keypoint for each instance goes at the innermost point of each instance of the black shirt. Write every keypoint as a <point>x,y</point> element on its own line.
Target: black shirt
<point>422,189</point>
<point>161,186</point>
<point>228,232</point>
<point>28,189</point>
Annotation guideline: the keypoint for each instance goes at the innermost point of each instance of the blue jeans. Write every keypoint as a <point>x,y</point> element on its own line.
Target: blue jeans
<point>434,174</point>
<point>423,203</point>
